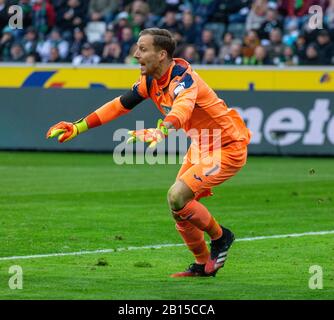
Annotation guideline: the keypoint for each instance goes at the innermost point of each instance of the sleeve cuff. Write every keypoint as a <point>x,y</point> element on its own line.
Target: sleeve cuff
<point>174,120</point>
<point>93,120</point>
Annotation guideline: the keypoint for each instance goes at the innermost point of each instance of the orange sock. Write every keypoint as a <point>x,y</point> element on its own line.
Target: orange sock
<point>200,217</point>
<point>194,239</point>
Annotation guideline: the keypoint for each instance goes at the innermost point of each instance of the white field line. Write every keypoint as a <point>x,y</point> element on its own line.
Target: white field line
<point>159,246</point>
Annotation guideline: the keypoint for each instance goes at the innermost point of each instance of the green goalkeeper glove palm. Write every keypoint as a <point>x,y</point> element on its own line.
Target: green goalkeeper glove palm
<point>151,136</point>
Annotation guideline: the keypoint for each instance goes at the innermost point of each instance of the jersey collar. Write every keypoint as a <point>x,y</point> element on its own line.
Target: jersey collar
<point>165,79</point>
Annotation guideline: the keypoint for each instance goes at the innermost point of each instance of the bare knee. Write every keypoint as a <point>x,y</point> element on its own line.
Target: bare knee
<point>178,195</point>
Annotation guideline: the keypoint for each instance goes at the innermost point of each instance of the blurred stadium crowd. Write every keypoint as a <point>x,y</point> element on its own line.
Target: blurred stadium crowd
<point>229,32</point>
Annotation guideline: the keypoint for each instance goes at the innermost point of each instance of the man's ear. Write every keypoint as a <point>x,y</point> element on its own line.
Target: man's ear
<point>163,55</point>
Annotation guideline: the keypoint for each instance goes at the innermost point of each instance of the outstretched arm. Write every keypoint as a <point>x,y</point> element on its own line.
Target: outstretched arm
<point>106,113</point>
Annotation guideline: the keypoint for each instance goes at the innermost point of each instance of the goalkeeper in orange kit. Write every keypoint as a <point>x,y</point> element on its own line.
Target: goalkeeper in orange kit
<point>187,102</point>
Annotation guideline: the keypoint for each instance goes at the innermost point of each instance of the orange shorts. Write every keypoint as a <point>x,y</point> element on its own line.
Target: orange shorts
<point>221,164</point>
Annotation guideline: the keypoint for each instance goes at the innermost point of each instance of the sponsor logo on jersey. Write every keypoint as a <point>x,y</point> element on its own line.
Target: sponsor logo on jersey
<point>179,88</point>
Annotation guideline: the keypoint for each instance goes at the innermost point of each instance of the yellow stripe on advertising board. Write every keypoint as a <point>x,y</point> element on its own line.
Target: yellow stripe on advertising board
<point>49,76</point>
<point>238,79</point>
<point>14,76</point>
<point>293,80</point>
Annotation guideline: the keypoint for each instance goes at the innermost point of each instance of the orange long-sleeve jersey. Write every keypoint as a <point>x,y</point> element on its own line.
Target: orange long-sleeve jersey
<point>187,102</point>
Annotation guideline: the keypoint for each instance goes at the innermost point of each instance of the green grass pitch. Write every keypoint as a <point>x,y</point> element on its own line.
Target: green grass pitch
<point>69,202</point>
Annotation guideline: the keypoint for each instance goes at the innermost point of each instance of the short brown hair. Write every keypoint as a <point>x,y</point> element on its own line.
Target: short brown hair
<point>162,39</point>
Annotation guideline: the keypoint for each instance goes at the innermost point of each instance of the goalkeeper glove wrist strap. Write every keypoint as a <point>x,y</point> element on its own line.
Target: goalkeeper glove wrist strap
<point>81,125</point>
<point>162,127</point>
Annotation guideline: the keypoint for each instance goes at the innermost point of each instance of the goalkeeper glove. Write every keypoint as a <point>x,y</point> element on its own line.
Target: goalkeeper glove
<point>67,130</point>
<point>151,136</point>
